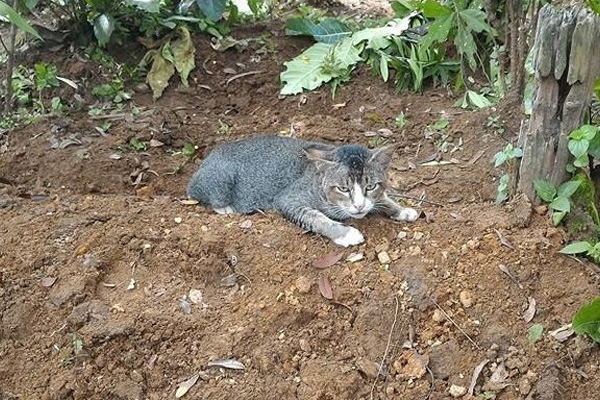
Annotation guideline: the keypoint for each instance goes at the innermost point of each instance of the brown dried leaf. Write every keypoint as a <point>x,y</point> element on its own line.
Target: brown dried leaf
<point>47,282</point>
<point>185,386</point>
<point>530,312</point>
<point>327,261</point>
<point>476,373</point>
<point>325,287</point>
<point>189,202</point>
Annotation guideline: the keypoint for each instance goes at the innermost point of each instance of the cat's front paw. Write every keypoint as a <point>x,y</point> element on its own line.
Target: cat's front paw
<point>351,237</point>
<point>407,215</point>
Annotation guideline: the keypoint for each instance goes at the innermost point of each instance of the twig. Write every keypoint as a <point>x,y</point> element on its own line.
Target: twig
<point>455,324</point>
<point>503,240</point>
<point>243,74</point>
<point>387,347</point>
<point>432,383</point>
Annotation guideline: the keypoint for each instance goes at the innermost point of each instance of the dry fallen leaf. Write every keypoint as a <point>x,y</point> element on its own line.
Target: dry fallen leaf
<point>189,202</point>
<point>228,363</point>
<point>47,282</point>
<point>530,312</point>
<point>476,373</point>
<point>325,287</point>
<point>185,386</point>
<point>327,261</point>
<point>156,143</point>
<point>563,333</point>
<point>354,257</point>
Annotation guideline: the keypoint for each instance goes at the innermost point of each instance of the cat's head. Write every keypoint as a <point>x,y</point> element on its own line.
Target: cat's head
<point>352,177</point>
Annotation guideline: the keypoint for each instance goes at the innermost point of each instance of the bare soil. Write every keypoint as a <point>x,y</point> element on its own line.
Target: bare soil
<point>124,251</point>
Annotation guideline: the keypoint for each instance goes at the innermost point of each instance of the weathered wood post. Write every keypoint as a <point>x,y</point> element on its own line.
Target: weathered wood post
<point>566,63</point>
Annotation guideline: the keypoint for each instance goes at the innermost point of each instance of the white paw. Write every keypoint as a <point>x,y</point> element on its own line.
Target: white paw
<point>224,210</point>
<point>407,214</point>
<point>352,237</point>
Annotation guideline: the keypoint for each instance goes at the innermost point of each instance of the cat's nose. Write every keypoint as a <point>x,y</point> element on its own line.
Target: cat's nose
<point>359,207</point>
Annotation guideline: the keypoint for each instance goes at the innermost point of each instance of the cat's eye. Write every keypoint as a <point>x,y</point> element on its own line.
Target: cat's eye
<point>342,189</point>
<point>371,186</point>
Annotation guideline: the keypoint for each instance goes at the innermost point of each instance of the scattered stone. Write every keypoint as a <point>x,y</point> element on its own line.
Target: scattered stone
<point>246,224</point>
<point>457,391</point>
<point>466,298</point>
<point>178,220</point>
<point>418,235</point>
<point>402,235</point>
<point>411,365</point>
<point>128,390</point>
<point>303,284</point>
<point>384,257</point>
<point>438,316</point>
<point>354,257</point>
<point>414,250</point>
<point>368,367</point>
<point>305,345</point>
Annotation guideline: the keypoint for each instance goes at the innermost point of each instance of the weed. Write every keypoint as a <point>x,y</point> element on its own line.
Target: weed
<point>508,155</point>
<point>224,128</point>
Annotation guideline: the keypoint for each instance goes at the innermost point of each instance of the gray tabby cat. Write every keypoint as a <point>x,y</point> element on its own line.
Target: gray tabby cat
<point>315,185</point>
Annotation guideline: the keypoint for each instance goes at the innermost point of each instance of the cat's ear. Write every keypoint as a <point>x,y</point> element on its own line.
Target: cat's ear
<point>319,156</point>
<point>383,155</point>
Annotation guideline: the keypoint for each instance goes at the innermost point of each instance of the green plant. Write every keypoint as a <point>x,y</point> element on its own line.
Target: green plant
<point>113,91</point>
<point>558,198</point>
<point>591,250</point>
<point>224,128</point>
<point>508,155</point>
<point>587,320</point>
<point>583,143</point>
<point>138,145</point>
<point>400,120</point>
<point>495,124</point>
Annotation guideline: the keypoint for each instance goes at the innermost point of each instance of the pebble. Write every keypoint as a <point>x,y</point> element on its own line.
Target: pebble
<point>303,284</point>
<point>178,220</point>
<point>384,257</point>
<point>457,391</point>
<point>466,298</point>
<point>369,368</point>
<point>402,235</point>
<point>418,235</point>
<point>354,257</point>
<point>305,346</point>
<point>414,250</point>
<point>438,316</point>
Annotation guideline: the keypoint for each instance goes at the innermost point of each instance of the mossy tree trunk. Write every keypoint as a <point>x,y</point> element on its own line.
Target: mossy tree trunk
<point>567,62</point>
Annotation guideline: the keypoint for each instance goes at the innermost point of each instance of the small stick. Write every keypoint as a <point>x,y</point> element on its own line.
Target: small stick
<point>243,74</point>
<point>387,348</point>
<point>432,383</point>
<point>455,324</point>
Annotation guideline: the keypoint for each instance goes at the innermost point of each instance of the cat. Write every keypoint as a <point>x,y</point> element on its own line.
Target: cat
<point>313,184</point>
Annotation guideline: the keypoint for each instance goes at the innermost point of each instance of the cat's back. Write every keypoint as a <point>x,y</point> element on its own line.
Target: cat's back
<point>249,173</point>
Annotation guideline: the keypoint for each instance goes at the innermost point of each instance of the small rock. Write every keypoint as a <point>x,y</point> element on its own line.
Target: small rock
<point>438,316</point>
<point>524,386</point>
<point>178,220</point>
<point>354,257</point>
<point>305,346</point>
<point>384,257</point>
<point>418,235</point>
<point>541,209</point>
<point>303,284</point>
<point>466,298</point>
<point>457,391</point>
<point>382,247</point>
<point>411,365</point>
<point>414,250</point>
<point>473,244</point>
<point>402,235</point>
<point>369,368</point>
<point>247,224</point>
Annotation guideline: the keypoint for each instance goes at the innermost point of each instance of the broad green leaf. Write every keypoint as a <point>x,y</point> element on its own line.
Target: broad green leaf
<point>15,18</point>
<point>499,159</point>
<point>557,217</point>
<point>518,152</point>
<point>183,54</point>
<point>588,131</point>
<point>578,147</point>
<point>582,161</point>
<point>475,20</point>
<point>478,100</point>
<point>159,74</point>
<point>306,70</point>
<point>466,46</point>
<point>373,36</point>
<point>104,26</point>
<point>535,333</point>
<point>213,9</point>
<point>151,6</point>
<point>434,9</point>
<point>568,188</point>
<point>329,30</point>
<point>576,248</point>
<point>439,30</point>
<point>401,8</point>
<point>545,189</point>
<point>594,147</point>
<point>384,69</point>
<point>587,320</point>
<point>561,203</point>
